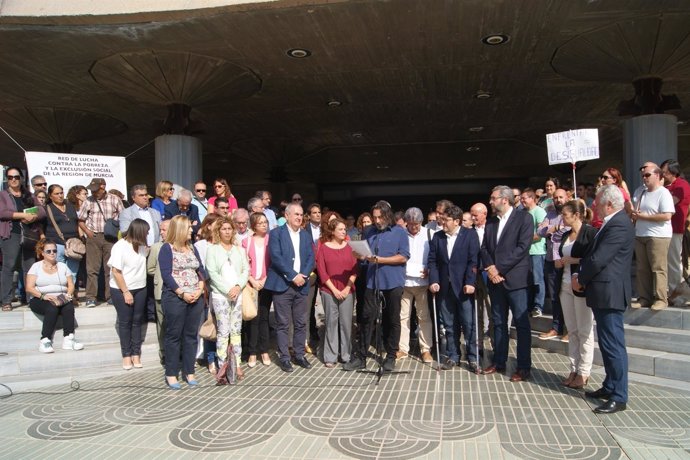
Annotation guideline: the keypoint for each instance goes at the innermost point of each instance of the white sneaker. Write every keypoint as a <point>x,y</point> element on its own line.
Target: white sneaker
<point>70,343</point>
<point>46,346</point>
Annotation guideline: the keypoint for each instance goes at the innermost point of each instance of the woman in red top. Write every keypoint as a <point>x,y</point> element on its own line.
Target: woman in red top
<point>611,176</point>
<point>337,269</point>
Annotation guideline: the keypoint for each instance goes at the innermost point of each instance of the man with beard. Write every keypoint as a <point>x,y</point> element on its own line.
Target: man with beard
<point>552,228</point>
<point>505,257</point>
<point>385,278</point>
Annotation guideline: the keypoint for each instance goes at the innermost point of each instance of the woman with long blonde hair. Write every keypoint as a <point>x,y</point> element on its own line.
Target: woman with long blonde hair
<point>183,277</point>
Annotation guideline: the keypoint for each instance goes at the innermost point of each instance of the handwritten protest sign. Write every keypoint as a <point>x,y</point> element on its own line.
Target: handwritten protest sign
<point>572,146</point>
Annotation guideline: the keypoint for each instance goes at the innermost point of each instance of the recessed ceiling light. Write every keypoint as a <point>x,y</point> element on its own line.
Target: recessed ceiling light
<point>495,39</point>
<point>382,167</point>
<point>468,175</point>
<point>476,129</point>
<point>299,53</point>
<point>356,135</point>
<point>334,104</point>
<point>473,148</point>
<point>470,165</point>
<point>483,94</point>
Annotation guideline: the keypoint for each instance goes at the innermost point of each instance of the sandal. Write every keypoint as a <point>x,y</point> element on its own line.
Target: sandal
<point>212,369</point>
<point>7,307</point>
<point>240,374</point>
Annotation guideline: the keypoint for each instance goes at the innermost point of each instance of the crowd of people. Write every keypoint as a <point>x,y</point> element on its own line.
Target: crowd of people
<point>175,257</point>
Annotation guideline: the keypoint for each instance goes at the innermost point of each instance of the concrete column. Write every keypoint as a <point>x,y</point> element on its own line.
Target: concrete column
<point>648,138</point>
<point>178,159</point>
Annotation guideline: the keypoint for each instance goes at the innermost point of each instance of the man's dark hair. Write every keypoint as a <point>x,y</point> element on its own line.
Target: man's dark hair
<point>454,212</point>
<point>313,205</point>
<point>221,199</point>
<point>134,188</point>
<point>386,211</point>
<point>673,167</point>
<point>444,203</point>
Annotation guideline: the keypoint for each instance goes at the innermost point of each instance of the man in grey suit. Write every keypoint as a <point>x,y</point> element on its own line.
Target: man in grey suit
<point>140,209</point>
<point>605,277</point>
<point>154,273</point>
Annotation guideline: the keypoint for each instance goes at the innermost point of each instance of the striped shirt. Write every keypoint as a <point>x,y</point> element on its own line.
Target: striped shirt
<point>92,216</point>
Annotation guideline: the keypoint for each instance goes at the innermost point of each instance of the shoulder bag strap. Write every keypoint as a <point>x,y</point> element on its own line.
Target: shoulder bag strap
<point>52,219</point>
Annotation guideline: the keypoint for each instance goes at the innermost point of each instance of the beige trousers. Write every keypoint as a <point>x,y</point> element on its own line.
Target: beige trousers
<point>579,321</point>
<point>421,303</point>
<point>651,258</point>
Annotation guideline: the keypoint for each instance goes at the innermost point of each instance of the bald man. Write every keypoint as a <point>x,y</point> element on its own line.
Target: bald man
<point>479,213</point>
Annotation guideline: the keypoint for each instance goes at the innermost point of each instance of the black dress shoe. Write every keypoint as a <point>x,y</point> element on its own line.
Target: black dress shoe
<point>285,366</point>
<point>610,407</point>
<point>472,367</point>
<point>599,394</point>
<point>356,363</point>
<point>389,364</point>
<point>448,364</point>
<point>302,362</point>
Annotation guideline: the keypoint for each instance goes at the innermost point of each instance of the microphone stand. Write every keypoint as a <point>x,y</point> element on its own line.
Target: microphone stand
<point>380,300</point>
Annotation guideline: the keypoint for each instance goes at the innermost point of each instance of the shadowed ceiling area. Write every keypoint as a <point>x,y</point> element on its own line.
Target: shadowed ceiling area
<point>397,91</point>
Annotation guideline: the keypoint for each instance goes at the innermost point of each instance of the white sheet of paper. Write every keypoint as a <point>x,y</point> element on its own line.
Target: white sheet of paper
<point>361,247</point>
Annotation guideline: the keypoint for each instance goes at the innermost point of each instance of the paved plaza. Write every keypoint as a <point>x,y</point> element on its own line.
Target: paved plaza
<point>330,414</point>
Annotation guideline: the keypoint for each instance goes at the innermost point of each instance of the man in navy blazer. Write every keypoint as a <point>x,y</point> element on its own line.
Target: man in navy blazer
<point>292,260</point>
<point>453,255</point>
<point>183,207</point>
<point>605,276</point>
<point>505,257</point>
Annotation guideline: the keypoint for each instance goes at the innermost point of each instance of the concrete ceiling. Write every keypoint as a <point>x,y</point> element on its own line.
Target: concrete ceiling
<point>388,92</point>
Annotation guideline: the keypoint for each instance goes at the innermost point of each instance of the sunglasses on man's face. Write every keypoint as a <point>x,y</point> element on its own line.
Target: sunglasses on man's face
<point>199,190</point>
<point>646,175</point>
<point>41,184</point>
<point>12,177</point>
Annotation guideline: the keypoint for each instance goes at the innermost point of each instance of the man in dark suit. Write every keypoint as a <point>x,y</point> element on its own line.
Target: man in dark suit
<point>505,257</point>
<point>292,260</point>
<point>605,277</point>
<point>184,207</point>
<point>453,255</point>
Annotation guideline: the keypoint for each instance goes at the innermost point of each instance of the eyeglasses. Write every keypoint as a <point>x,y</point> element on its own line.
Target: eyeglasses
<point>646,175</point>
<point>50,251</point>
<point>199,190</point>
<point>241,223</point>
<point>605,177</point>
<point>12,177</point>
<point>219,186</point>
<point>171,189</point>
<point>41,184</point>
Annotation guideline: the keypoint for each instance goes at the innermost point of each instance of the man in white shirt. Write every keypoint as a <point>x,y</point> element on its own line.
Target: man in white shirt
<point>415,289</point>
<point>652,211</point>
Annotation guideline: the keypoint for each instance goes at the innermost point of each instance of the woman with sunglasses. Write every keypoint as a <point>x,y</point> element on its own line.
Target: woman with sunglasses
<point>222,188</point>
<point>14,222</point>
<point>611,176</point>
<point>50,283</point>
<point>164,194</point>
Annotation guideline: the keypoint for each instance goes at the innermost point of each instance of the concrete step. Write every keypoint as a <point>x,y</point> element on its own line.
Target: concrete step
<point>26,363</point>
<point>669,318</point>
<point>654,338</point>
<point>643,361</point>
<point>24,318</point>
<point>27,339</point>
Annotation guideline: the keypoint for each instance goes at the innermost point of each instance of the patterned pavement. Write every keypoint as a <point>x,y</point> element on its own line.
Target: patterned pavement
<point>330,414</point>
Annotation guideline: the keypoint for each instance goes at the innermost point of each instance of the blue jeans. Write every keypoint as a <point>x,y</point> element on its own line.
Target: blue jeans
<point>182,321</point>
<point>501,300</point>
<point>538,288</point>
<point>72,264</point>
<point>457,313</point>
